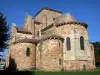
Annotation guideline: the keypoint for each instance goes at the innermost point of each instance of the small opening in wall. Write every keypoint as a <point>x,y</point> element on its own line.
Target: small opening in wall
<point>59,43</point>
<point>59,61</point>
<point>53,18</point>
<point>28,52</point>
<point>37,33</point>
<point>84,67</point>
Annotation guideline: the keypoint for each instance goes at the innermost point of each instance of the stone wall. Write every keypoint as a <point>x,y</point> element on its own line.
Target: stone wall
<point>78,65</point>
<point>50,55</point>
<point>46,17</point>
<point>74,31</point>
<point>18,53</point>
<point>28,23</point>
<point>19,36</point>
<point>92,54</point>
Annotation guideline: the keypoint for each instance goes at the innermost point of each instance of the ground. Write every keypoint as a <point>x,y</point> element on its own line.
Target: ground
<point>92,72</point>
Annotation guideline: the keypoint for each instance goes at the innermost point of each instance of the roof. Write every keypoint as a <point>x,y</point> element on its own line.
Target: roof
<point>46,8</point>
<point>35,41</point>
<point>64,23</point>
<point>73,22</point>
<point>27,41</point>
<point>64,18</point>
<point>22,30</point>
<point>52,37</point>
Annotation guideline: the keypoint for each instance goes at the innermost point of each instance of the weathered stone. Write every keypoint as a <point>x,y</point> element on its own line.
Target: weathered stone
<point>50,52</point>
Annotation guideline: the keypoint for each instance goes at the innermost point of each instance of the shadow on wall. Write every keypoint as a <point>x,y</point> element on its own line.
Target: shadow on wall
<point>12,69</point>
<point>12,65</point>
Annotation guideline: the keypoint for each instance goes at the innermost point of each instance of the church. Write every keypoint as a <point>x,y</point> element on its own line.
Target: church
<point>50,41</point>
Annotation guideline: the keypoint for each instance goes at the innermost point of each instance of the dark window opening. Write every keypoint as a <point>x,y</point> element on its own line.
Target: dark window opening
<point>53,18</point>
<point>82,43</point>
<point>59,61</point>
<point>37,33</point>
<point>28,52</point>
<point>59,44</point>
<point>68,43</point>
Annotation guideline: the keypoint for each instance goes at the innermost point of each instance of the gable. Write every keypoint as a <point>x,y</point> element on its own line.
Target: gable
<point>47,9</point>
<point>45,16</point>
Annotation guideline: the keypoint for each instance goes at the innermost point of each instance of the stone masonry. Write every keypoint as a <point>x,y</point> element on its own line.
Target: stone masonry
<point>53,42</point>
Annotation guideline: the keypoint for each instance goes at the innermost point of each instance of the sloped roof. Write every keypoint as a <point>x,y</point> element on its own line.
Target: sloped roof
<point>52,36</point>
<point>64,18</point>
<point>72,22</point>
<point>22,30</point>
<point>27,41</point>
<point>47,9</point>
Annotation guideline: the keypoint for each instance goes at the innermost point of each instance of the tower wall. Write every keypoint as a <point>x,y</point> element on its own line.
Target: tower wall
<point>18,55</point>
<point>46,17</point>
<point>75,58</point>
<point>50,55</point>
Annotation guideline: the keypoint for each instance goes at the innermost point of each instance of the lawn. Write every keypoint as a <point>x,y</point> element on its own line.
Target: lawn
<point>92,72</point>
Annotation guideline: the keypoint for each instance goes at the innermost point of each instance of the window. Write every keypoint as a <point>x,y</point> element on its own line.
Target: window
<point>59,61</point>
<point>53,18</point>
<point>82,43</point>
<point>28,52</point>
<point>68,43</point>
<point>37,33</point>
<point>59,43</point>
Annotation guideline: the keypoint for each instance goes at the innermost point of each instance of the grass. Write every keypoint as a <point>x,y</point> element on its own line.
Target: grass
<point>92,72</point>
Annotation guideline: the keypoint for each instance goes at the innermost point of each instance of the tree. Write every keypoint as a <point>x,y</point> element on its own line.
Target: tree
<point>4,35</point>
<point>96,48</point>
<point>97,52</point>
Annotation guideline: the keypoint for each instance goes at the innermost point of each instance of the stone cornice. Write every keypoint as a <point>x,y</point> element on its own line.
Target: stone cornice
<point>52,37</point>
<point>26,41</point>
<point>64,23</point>
<point>73,22</point>
<point>37,22</point>
<point>21,30</point>
<point>35,41</point>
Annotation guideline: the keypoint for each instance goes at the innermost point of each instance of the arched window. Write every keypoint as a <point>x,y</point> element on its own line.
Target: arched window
<point>68,43</point>
<point>82,43</point>
<point>28,52</point>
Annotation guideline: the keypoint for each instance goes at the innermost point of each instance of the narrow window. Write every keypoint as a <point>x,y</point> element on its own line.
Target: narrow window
<point>59,43</point>
<point>28,52</point>
<point>53,18</point>
<point>68,43</point>
<point>82,43</point>
<point>37,33</point>
<point>59,61</point>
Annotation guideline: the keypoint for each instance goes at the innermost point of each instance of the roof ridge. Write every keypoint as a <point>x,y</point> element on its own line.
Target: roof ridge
<point>47,9</point>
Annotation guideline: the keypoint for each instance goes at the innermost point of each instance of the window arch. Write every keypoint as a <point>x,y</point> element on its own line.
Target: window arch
<point>82,43</point>
<point>68,43</point>
<point>28,52</point>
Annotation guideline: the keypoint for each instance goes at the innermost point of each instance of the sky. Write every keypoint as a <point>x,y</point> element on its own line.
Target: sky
<point>87,11</point>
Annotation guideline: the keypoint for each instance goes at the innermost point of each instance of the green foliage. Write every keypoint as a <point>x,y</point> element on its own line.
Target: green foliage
<point>4,36</point>
<point>27,72</point>
<point>96,48</point>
